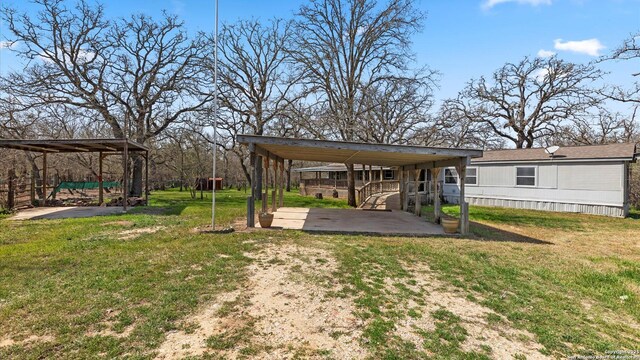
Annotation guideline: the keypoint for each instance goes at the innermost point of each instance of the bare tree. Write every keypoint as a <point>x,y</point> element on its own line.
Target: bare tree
<point>629,50</point>
<point>527,101</point>
<point>602,128</point>
<point>346,47</point>
<point>397,110</point>
<point>138,74</point>
<point>453,128</point>
<point>255,87</point>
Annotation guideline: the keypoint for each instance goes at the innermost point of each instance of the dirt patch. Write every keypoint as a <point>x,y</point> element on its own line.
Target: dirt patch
<point>124,223</point>
<point>134,233</point>
<point>504,340</point>
<point>192,339</point>
<point>108,325</point>
<point>9,341</point>
<point>282,310</point>
<point>288,299</point>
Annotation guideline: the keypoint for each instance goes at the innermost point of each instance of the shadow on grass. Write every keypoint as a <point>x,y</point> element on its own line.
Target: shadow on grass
<point>484,232</point>
<point>513,217</point>
<point>516,217</point>
<point>634,214</point>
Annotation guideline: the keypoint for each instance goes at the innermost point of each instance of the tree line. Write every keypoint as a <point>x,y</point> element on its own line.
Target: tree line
<point>339,70</point>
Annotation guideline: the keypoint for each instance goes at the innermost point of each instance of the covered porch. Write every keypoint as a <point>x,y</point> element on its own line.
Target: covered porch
<point>408,161</point>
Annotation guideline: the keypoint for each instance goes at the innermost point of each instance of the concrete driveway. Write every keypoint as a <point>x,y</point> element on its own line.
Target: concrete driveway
<point>354,221</point>
<point>66,212</point>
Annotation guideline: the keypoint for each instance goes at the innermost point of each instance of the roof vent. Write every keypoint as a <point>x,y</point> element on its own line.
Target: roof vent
<point>551,150</point>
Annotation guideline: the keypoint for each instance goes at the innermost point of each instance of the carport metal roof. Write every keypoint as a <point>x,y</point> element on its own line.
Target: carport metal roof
<point>73,145</point>
<point>357,153</point>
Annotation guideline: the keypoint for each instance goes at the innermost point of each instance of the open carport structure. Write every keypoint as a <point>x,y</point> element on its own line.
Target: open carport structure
<point>409,160</point>
<point>104,147</point>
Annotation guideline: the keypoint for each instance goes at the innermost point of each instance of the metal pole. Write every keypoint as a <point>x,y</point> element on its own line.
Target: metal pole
<point>215,119</point>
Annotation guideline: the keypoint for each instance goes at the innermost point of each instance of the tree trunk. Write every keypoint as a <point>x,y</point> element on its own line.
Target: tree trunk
<point>35,171</point>
<point>11,195</point>
<point>351,186</point>
<point>258,193</point>
<point>245,170</point>
<point>289,163</point>
<point>136,176</point>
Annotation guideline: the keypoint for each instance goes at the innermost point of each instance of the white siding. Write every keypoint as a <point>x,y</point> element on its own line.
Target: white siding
<point>590,177</point>
<point>578,187</point>
<point>496,175</point>
<point>548,176</point>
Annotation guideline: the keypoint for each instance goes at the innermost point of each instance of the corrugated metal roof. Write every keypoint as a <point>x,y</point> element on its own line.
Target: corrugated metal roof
<point>337,167</point>
<point>72,145</point>
<point>591,152</point>
<point>353,152</point>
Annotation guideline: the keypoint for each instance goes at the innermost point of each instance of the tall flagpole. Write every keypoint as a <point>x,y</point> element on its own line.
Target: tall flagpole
<point>215,120</point>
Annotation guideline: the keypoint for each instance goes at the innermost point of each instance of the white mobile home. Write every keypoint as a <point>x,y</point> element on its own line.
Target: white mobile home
<point>584,179</point>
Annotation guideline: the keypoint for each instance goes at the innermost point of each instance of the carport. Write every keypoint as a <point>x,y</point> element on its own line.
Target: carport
<point>104,148</point>
<point>409,160</point>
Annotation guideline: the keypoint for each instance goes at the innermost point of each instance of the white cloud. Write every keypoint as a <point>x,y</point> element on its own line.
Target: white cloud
<point>545,53</point>
<point>488,4</point>
<point>82,57</point>
<point>8,45</point>
<point>589,47</point>
<point>540,74</point>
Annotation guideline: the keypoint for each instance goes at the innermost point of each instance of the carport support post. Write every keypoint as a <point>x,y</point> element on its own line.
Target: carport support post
<point>405,201</point>
<point>100,183</point>
<point>281,200</point>
<point>274,200</point>
<point>44,178</point>
<point>146,179</point>
<point>265,176</point>
<point>416,179</point>
<point>436,195</point>
<point>464,208</point>
<point>401,185</point>
<point>251,218</point>
<point>125,197</point>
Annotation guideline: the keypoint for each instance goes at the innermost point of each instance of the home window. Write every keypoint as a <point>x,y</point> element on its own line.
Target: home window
<point>472,176</point>
<point>388,174</point>
<point>450,176</point>
<point>526,176</point>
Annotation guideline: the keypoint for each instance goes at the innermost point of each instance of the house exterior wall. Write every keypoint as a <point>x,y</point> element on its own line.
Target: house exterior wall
<point>586,187</point>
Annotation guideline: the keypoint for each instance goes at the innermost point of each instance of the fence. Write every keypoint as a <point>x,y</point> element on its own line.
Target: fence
<point>18,190</point>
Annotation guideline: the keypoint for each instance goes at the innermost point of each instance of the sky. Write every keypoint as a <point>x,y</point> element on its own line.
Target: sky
<point>462,39</point>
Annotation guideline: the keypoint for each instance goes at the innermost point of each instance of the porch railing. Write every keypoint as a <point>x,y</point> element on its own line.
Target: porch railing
<point>376,187</point>
<point>324,183</point>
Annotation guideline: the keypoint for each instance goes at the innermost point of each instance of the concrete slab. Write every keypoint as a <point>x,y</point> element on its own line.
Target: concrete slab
<point>66,212</point>
<point>354,221</point>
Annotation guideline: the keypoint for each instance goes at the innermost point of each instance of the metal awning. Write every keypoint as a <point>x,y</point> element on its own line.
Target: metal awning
<point>73,145</point>
<point>336,167</point>
<point>353,152</point>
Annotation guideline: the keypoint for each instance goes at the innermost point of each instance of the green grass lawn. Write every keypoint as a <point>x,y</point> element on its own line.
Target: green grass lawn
<point>116,286</point>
